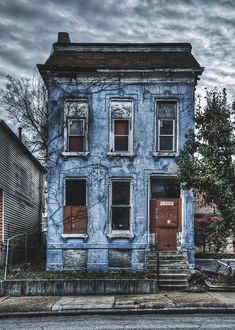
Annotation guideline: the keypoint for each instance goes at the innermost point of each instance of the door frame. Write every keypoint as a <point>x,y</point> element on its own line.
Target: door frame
<point>162,176</point>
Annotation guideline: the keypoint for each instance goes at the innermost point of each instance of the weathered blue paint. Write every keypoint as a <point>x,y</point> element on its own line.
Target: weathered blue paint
<point>98,168</point>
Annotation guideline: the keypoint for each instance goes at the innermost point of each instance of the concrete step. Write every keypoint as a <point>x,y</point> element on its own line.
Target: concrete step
<point>173,275</point>
<point>173,287</point>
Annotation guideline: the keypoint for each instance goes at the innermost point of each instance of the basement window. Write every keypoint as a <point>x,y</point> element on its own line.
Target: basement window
<point>75,208</point>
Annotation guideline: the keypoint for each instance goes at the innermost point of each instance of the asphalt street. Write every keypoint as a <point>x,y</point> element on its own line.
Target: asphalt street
<point>104,322</point>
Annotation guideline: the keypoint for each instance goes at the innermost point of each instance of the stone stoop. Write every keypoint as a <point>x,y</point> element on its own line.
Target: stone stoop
<point>173,269</point>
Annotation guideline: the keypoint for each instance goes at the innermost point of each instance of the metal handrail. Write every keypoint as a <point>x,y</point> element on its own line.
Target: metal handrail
<point>7,251</point>
<point>158,270</point>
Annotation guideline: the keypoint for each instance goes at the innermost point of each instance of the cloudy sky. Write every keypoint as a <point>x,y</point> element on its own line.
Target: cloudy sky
<point>29,27</point>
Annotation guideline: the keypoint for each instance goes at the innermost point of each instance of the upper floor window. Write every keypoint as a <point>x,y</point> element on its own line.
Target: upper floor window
<point>76,126</point>
<point>166,126</point>
<point>121,134</point>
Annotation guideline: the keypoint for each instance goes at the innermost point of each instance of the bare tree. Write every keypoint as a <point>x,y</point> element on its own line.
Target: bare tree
<point>25,102</point>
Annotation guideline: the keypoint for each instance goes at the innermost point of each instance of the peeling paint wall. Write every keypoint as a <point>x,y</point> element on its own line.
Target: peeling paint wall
<point>98,167</point>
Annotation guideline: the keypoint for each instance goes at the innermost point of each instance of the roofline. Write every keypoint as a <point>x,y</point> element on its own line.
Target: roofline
<point>21,144</point>
<point>47,67</point>
<point>125,44</point>
<point>123,47</point>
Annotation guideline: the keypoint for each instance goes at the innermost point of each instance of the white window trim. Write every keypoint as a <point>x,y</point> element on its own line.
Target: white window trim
<point>66,236</point>
<point>112,152</point>
<point>66,152</point>
<point>63,235</point>
<point>121,233</point>
<point>156,152</point>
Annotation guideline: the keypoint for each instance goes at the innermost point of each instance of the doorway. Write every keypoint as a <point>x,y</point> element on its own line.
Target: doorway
<point>165,212</point>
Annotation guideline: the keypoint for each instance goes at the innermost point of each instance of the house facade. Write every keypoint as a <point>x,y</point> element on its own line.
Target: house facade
<point>21,196</point>
<point>118,114</point>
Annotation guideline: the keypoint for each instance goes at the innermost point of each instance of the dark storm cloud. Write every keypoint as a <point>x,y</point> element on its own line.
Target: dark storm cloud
<point>29,27</point>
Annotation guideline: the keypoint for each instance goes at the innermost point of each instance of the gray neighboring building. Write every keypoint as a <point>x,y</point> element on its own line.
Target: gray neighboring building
<point>21,191</point>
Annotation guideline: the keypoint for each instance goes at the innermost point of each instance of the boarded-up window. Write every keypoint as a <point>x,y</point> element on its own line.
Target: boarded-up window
<point>166,126</point>
<point>121,208</point>
<point>75,209</point>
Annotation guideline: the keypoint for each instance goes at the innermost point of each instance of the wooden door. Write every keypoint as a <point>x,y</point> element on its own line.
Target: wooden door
<point>165,222</point>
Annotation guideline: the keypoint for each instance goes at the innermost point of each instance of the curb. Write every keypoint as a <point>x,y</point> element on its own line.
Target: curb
<point>173,310</point>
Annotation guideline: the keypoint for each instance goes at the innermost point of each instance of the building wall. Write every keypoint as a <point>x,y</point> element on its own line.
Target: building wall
<point>21,183</point>
<point>1,217</point>
<point>98,251</point>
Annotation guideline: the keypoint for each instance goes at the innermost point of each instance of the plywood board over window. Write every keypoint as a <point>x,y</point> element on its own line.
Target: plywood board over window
<point>75,209</point>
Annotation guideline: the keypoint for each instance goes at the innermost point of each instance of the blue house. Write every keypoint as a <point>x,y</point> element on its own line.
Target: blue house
<point>118,116</point>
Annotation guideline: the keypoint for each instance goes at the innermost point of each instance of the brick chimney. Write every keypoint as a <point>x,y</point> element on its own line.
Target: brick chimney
<point>63,38</point>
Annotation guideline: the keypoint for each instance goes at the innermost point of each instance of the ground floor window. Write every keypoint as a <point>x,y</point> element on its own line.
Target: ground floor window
<point>120,205</point>
<point>75,208</point>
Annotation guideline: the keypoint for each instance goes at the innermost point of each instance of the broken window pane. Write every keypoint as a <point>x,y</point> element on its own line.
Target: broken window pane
<point>165,188</point>
<point>121,143</point>
<point>166,143</point>
<point>121,205</point>
<point>121,193</point>
<point>75,192</point>
<point>77,127</point>
<point>166,109</point>
<point>120,218</point>
<point>166,127</point>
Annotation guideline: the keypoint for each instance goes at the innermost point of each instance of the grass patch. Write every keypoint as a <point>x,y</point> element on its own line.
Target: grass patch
<point>32,272</point>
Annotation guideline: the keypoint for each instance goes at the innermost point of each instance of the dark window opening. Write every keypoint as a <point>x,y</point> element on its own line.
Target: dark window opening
<point>121,135</point>
<point>76,192</point>
<point>75,210</point>
<point>121,205</point>
<point>165,188</point>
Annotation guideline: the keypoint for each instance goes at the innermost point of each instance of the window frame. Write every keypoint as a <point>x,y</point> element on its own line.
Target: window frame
<point>159,135</point>
<point>166,153</point>
<point>68,118</point>
<point>121,233</point>
<point>112,119</point>
<point>114,135</point>
<point>74,235</point>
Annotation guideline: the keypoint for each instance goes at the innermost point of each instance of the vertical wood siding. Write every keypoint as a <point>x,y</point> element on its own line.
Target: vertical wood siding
<point>1,216</point>
<point>20,182</point>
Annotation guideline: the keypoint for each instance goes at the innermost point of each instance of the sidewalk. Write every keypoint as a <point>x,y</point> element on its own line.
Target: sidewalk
<point>164,302</point>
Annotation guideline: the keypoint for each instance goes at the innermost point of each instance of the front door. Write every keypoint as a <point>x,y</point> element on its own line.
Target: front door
<point>165,215</point>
